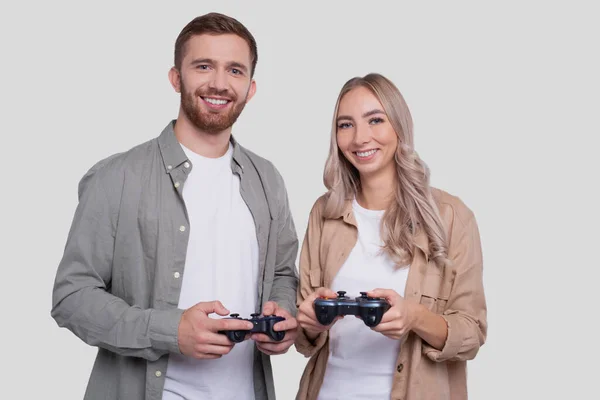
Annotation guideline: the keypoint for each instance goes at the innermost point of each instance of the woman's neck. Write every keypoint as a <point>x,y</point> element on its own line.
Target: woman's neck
<point>376,192</point>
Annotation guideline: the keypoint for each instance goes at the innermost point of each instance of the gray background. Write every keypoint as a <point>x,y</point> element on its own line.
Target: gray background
<point>505,102</point>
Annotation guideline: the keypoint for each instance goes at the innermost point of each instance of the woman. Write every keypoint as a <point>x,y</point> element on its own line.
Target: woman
<point>381,229</point>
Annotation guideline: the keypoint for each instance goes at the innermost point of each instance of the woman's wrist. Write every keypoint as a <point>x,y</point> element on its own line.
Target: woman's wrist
<point>312,336</point>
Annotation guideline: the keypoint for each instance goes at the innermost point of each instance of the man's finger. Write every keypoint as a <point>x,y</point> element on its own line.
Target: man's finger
<point>269,308</point>
<point>262,338</point>
<point>215,338</point>
<point>286,325</point>
<point>202,356</point>
<point>213,349</point>
<point>231,324</point>
<point>275,348</point>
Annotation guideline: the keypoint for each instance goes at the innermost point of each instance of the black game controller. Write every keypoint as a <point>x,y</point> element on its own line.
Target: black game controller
<point>261,325</point>
<point>369,309</point>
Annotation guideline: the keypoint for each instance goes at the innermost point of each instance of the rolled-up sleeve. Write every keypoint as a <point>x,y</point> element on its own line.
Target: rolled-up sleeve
<point>466,310</point>
<point>81,301</point>
<point>310,279</point>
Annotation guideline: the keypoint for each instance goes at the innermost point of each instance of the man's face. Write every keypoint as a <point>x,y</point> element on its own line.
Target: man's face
<point>214,81</point>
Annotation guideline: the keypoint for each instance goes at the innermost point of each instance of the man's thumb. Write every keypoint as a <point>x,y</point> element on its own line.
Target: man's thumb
<point>269,308</point>
<point>213,307</point>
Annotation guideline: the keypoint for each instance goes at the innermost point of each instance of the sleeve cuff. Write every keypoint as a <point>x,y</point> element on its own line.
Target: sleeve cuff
<point>164,329</point>
<point>451,347</point>
<point>308,347</point>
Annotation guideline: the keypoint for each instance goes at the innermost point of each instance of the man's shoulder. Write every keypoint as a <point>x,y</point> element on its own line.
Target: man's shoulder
<point>111,170</point>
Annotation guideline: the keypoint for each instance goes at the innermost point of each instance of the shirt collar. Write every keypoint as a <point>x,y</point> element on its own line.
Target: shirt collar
<point>173,155</point>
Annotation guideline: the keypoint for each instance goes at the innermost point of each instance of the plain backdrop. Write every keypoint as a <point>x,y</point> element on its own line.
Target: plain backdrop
<point>505,102</point>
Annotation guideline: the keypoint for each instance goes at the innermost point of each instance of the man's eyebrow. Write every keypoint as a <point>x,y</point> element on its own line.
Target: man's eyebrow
<point>235,64</point>
<point>202,61</point>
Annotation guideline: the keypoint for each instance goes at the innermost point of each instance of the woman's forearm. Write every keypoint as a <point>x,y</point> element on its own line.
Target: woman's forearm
<point>431,327</point>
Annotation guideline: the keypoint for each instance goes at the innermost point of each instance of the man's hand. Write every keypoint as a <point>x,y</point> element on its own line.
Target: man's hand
<point>198,335</point>
<point>268,345</point>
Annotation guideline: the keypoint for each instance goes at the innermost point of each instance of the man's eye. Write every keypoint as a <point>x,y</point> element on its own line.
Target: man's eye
<point>236,71</point>
<point>203,66</point>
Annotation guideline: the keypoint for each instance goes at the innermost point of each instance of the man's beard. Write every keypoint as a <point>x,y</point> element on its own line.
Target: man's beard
<point>212,122</point>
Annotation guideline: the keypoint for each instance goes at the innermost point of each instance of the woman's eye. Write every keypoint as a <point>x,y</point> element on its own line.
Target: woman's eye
<point>377,120</point>
<point>344,125</point>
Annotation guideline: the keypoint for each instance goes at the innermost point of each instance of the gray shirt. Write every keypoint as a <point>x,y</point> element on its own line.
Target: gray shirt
<point>117,286</point>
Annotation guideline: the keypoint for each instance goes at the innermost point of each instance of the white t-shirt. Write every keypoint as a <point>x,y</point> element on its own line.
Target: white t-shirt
<point>221,264</point>
<point>362,362</point>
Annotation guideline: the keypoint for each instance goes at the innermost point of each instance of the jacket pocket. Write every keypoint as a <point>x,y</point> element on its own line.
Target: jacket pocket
<point>315,278</point>
<point>434,295</point>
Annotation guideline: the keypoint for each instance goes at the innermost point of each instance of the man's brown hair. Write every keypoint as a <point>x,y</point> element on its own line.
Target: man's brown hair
<point>214,24</point>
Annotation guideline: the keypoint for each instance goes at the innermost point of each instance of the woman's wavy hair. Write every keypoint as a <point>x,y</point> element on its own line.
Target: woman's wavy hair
<point>414,207</point>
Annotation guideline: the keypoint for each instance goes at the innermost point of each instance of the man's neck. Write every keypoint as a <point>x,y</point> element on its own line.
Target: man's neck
<point>210,145</point>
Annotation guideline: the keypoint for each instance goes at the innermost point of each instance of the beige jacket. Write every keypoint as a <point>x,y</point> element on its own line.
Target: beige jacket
<point>422,372</point>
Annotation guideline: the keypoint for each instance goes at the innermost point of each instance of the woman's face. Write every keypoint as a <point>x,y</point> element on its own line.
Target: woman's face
<point>365,135</point>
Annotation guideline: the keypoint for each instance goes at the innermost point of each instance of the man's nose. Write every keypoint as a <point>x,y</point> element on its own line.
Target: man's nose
<point>218,81</point>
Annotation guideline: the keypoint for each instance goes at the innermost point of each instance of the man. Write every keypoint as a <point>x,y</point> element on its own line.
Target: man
<point>185,225</point>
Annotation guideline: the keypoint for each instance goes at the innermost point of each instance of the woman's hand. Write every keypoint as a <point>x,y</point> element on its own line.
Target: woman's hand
<point>401,318</point>
<point>405,316</point>
<point>306,314</point>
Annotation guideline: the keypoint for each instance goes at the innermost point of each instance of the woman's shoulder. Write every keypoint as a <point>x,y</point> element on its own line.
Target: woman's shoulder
<point>318,206</point>
<point>451,207</point>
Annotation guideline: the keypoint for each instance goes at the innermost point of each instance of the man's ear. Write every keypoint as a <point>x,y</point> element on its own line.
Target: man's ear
<point>251,91</point>
<point>175,79</point>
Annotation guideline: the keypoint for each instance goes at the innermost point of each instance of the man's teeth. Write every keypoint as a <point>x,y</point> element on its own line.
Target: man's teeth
<point>216,102</point>
<point>366,153</point>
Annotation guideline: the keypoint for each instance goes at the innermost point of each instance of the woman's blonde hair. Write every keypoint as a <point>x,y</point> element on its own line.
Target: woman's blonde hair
<point>414,207</point>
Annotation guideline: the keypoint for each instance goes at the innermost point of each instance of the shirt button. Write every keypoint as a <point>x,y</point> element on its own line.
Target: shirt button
<point>176,184</point>
<point>187,164</point>
<point>176,275</point>
<point>169,167</point>
<point>182,228</point>
<point>400,367</point>
<point>158,374</point>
